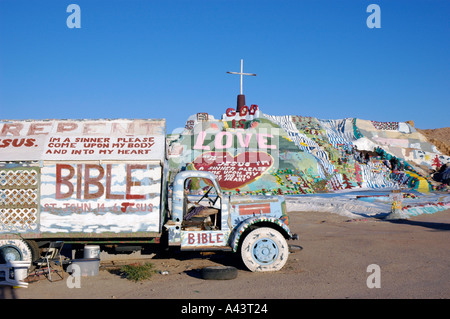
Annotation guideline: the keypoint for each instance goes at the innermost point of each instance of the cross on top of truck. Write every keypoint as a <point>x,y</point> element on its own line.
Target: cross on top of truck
<point>106,182</point>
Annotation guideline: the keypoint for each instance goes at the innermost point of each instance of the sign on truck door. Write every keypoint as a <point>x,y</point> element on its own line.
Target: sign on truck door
<point>205,222</point>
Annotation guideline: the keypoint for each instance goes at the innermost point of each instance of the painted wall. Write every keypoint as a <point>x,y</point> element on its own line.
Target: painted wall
<point>82,140</point>
<point>81,176</point>
<point>93,198</point>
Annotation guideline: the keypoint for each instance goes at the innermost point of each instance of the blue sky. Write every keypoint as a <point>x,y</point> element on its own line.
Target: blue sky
<point>168,59</point>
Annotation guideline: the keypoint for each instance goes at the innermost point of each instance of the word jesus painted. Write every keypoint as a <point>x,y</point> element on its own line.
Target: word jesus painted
<point>234,171</point>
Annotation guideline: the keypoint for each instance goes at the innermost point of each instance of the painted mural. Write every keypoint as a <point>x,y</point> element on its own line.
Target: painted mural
<point>255,153</point>
<point>94,198</point>
<point>81,176</point>
<point>82,140</point>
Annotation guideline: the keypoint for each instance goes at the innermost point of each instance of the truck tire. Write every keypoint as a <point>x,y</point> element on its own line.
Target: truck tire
<point>264,249</point>
<point>35,250</point>
<point>218,273</point>
<point>14,250</point>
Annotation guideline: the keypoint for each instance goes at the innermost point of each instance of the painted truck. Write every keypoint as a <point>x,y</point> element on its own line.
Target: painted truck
<point>105,182</point>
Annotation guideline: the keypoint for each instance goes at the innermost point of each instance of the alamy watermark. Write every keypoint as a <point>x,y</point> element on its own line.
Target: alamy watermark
<point>374,19</point>
<point>374,279</point>
<point>74,280</point>
<point>74,19</point>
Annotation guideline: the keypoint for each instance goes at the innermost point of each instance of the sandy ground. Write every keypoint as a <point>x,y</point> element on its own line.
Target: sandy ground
<point>440,137</point>
<point>413,256</point>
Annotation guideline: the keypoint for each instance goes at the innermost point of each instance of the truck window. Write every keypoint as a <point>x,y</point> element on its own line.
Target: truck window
<point>202,205</point>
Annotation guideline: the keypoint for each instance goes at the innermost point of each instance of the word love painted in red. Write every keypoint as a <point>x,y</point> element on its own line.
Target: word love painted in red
<point>234,171</point>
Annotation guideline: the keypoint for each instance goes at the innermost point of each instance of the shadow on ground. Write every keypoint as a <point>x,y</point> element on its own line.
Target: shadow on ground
<point>430,225</point>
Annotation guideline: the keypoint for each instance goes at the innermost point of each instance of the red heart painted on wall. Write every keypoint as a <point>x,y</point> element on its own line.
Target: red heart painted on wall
<point>234,171</point>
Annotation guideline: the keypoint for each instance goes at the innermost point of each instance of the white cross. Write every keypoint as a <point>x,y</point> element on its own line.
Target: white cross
<point>241,74</point>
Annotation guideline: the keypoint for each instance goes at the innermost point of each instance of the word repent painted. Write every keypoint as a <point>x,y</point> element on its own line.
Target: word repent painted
<point>82,140</point>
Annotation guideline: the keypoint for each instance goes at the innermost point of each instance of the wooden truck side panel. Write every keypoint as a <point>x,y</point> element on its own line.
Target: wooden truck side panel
<point>82,178</point>
<point>94,198</point>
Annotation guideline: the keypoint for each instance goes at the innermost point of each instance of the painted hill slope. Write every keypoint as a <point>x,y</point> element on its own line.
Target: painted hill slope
<point>251,153</point>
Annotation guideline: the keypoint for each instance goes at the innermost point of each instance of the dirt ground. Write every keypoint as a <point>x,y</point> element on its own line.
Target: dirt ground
<point>440,137</point>
<point>413,257</point>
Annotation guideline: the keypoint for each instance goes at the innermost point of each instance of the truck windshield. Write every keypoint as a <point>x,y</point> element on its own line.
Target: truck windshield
<point>199,186</point>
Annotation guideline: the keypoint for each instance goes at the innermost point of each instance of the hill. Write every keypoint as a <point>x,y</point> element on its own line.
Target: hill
<point>439,137</point>
<point>255,153</point>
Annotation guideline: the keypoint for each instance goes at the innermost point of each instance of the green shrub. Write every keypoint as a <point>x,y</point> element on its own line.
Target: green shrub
<point>138,272</point>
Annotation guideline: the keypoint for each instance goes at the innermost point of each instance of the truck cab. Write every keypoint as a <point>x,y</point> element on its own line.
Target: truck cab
<point>202,217</point>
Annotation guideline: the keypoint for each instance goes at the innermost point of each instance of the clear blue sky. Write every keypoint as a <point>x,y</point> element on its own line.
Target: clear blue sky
<point>168,59</point>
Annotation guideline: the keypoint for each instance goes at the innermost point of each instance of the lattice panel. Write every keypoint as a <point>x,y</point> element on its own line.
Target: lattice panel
<point>18,178</point>
<point>19,199</point>
<point>18,219</point>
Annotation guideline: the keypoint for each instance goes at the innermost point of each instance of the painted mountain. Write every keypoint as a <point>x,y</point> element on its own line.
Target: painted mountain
<point>254,153</point>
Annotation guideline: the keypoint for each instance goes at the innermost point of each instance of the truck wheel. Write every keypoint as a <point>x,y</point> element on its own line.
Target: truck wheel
<point>14,250</point>
<point>219,273</point>
<point>264,249</point>
<point>35,250</point>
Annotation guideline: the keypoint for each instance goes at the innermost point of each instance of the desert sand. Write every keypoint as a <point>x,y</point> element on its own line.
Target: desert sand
<point>413,257</point>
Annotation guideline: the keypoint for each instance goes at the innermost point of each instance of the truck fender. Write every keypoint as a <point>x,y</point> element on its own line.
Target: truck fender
<point>237,232</point>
